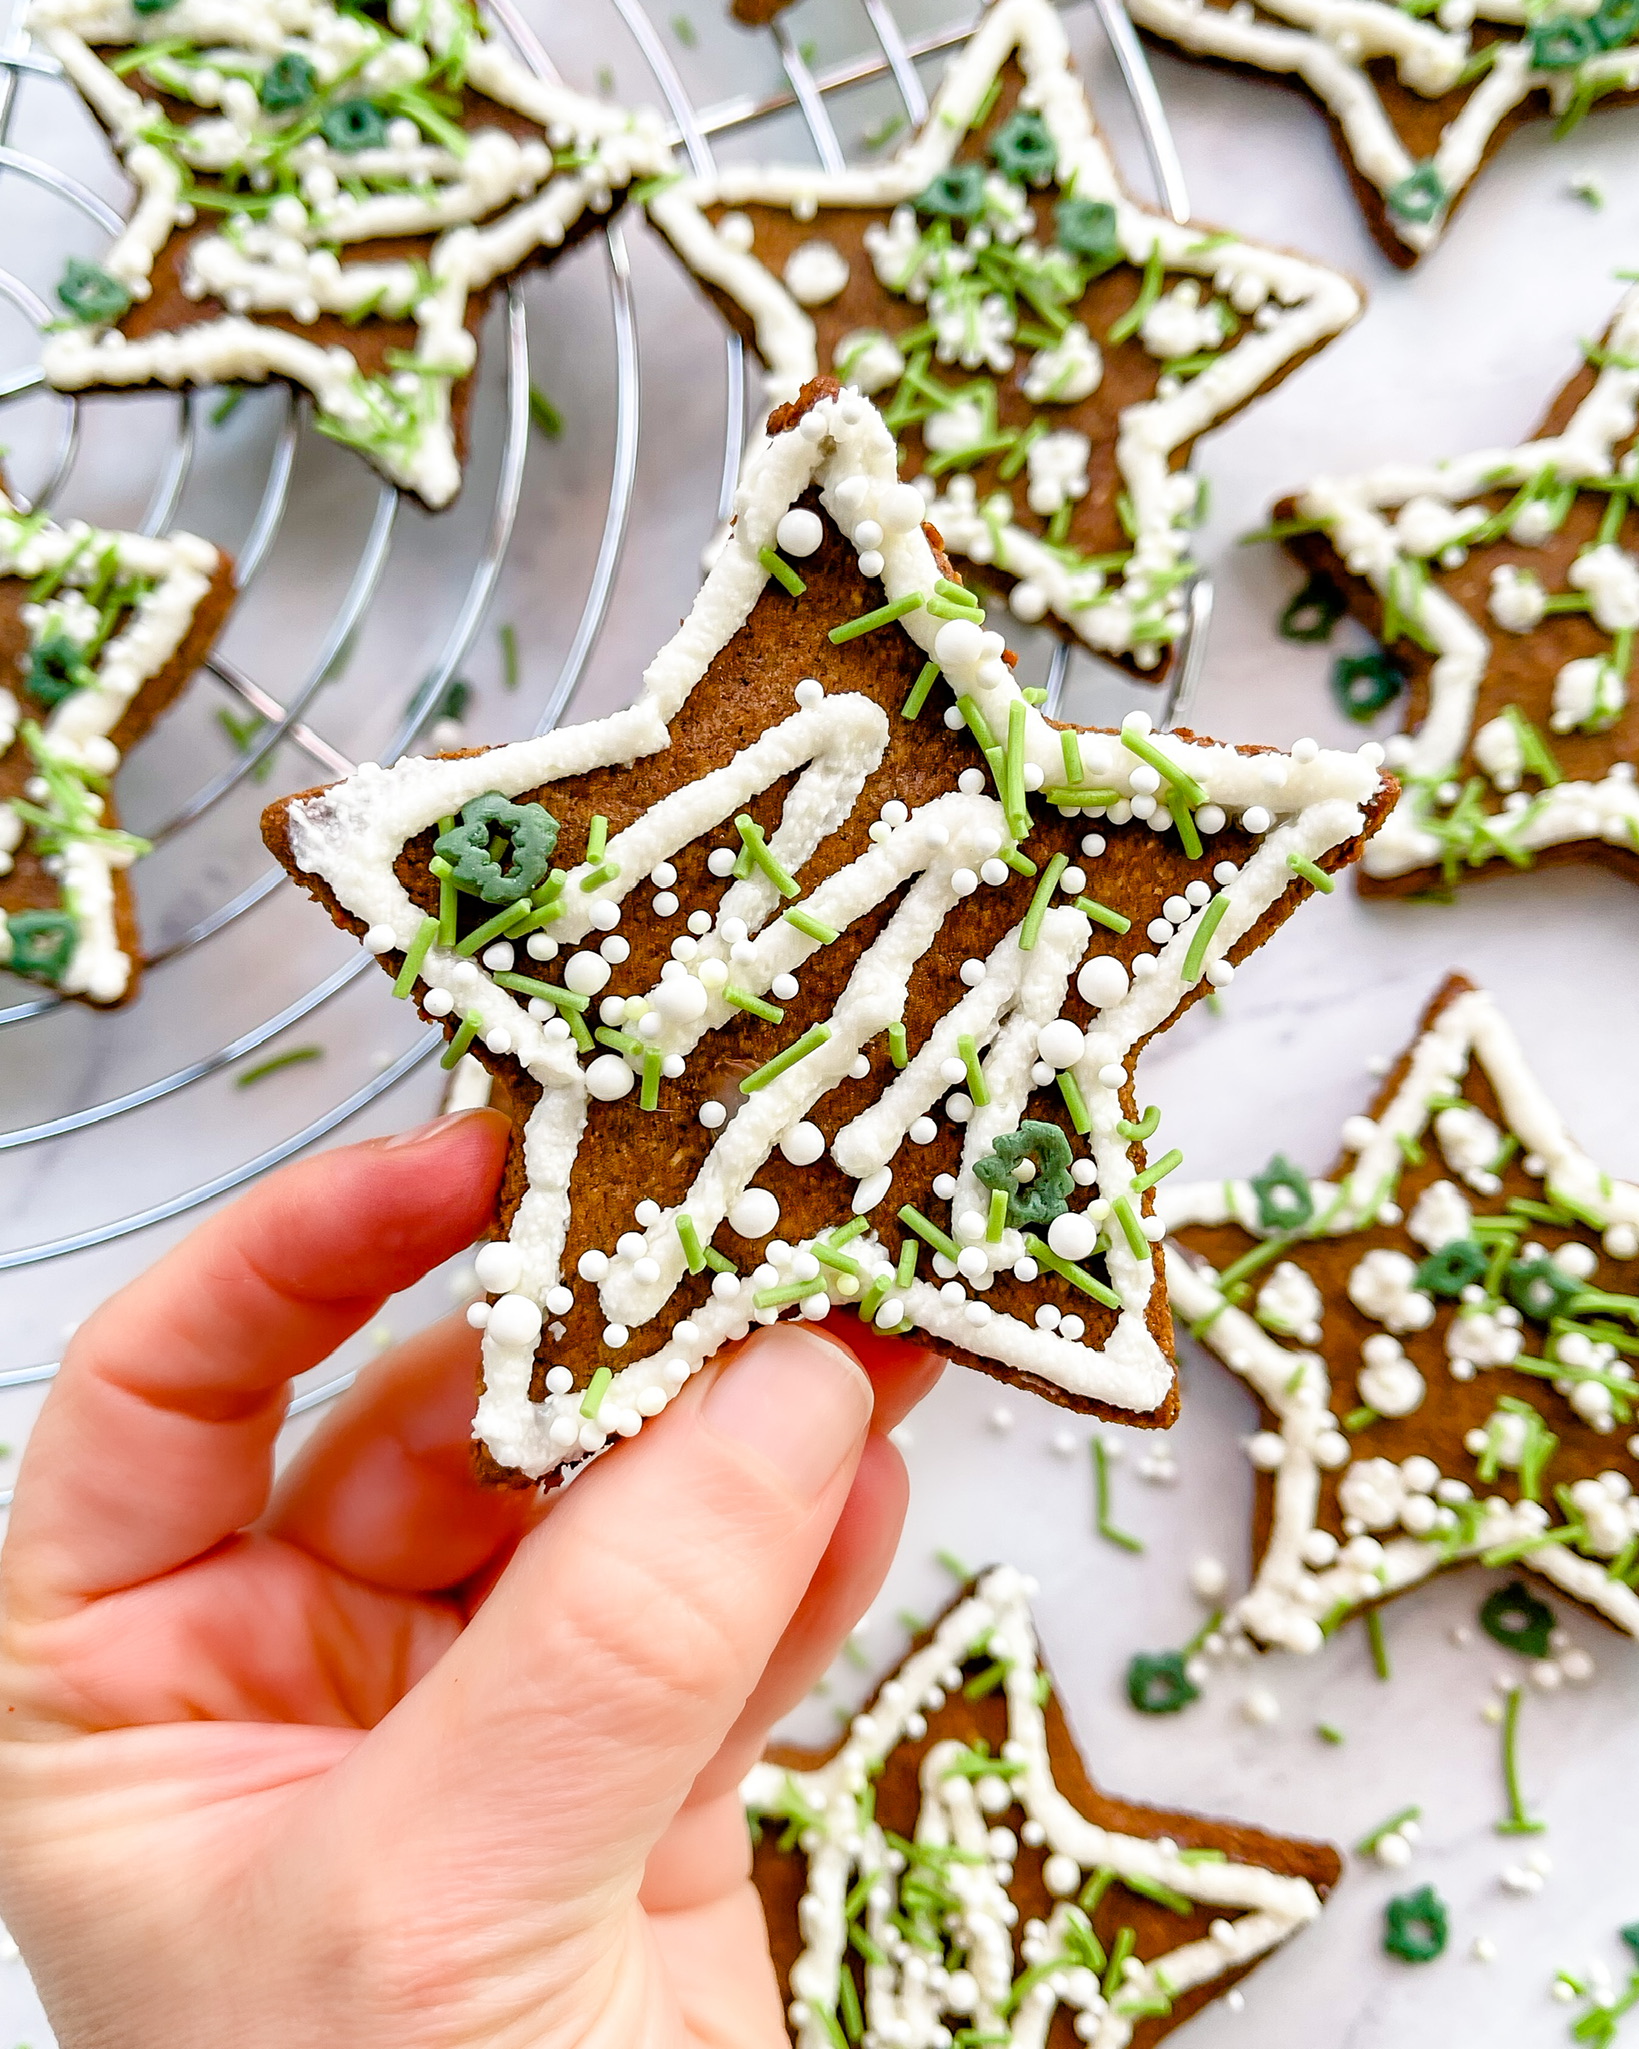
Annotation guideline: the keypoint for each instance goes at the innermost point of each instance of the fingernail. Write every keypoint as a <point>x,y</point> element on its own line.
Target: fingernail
<point>795,1399</point>
<point>438,1127</point>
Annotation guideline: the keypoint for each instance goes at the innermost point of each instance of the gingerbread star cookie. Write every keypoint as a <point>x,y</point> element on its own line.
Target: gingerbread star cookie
<point>1441,1337</point>
<point>1045,349</point>
<point>1506,583</point>
<point>1418,97</point>
<point>98,632</point>
<point>832,1000</point>
<point>328,195</point>
<point>951,1873</point>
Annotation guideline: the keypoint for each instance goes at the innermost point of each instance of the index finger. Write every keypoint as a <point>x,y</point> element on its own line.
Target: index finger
<point>156,1441</point>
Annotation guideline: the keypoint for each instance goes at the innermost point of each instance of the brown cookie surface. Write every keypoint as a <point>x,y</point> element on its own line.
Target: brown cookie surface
<point>1447,1360</point>
<point>1108,1881</point>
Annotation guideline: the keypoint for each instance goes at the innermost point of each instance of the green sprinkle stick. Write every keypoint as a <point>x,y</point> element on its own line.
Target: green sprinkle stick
<point>405,979</point>
<point>1146,1127</point>
<point>912,707</point>
<point>466,1033</point>
<point>448,898</point>
<point>1030,931</point>
<point>501,926</point>
<point>1379,1644</point>
<point>689,1238</point>
<point>596,1388</point>
<point>838,1262</point>
<point>1070,747</point>
<point>1101,914</point>
<point>1317,878</point>
<point>1067,797</point>
<point>905,1272</point>
<point>1158,1172</point>
<point>756,847</point>
<point>997,1221</point>
<point>874,1296</point>
<point>1517,1821</point>
<point>1329,1732</point>
<point>781,571</point>
<point>969,1052</point>
<point>1180,779</point>
<point>1021,864</point>
<point>947,608</point>
<point>930,1234</point>
<point>1101,1504</point>
<point>1368,1843</point>
<point>1067,1270</point>
<point>784,1293</point>
<point>958,593</point>
<point>1195,954</point>
<point>898,1051</point>
<point>816,928</point>
<point>884,615</point>
<point>649,1089</point>
<point>1014,804</point>
<point>564,1001</point>
<point>1131,1229</point>
<point>597,838</point>
<point>296,1057</point>
<point>606,871</point>
<point>799,1049</point>
<point>1074,1101</point>
<point>845,1234</point>
<point>742,999</point>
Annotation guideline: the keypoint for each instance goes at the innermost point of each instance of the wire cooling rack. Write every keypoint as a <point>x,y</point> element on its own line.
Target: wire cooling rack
<point>317,550</point>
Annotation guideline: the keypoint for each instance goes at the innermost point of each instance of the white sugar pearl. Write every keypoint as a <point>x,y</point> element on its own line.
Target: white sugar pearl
<point>972,972</point>
<point>900,508</point>
<point>663,875</point>
<point>1073,1235</point>
<point>605,915</point>
<point>1060,1043</point>
<point>803,1144</point>
<point>608,1078</point>
<point>665,905</point>
<point>754,1213</point>
<point>712,1115</point>
<point>593,1266</point>
<point>923,1132</point>
<point>712,975</point>
<point>783,988</point>
<point>963,881</point>
<point>958,645</point>
<point>438,1003</point>
<point>870,563</point>
<point>514,1320</point>
<point>682,1000</point>
<point>1256,819</point>
<point>721,860</point>
<point>586,974</point>
<point>799,531</point>
<point>971,782</point>
<point>541,946</point>
<point>809,693</point>
<point>1102,981</point>
<point>381,939</point>
<point>499,1267</point>
<point>994,872</point>
<point>867,534</point>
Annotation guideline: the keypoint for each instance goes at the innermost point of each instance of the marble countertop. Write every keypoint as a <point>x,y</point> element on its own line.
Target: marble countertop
<point>1467,350</point>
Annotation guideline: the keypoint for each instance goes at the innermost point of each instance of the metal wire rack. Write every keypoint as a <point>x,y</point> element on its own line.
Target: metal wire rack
<point>288,718</point>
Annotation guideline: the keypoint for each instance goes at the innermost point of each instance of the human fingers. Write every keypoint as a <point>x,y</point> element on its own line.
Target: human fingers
<point>156,1440</point>
<point>555,1742</point>
<point>385,1488</point>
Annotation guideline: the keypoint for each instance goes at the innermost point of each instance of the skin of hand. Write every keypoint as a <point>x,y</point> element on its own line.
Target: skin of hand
<point>366,1754</point>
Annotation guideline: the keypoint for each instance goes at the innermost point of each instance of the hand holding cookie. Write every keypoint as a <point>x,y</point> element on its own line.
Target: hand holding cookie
<point>369,1753</point>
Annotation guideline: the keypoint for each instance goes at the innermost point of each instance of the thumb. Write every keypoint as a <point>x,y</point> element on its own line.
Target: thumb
<point>552,1745</point>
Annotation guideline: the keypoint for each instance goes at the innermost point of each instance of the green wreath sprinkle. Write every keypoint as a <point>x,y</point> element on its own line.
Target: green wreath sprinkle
<point>1157,1683</point>
<point>493,830</point>
<point>42,944</point>
<point>1563,42</point>
<point>1314,611</point>
<point>1539,1288</point>
<point>353,125</point>
<point>1032,1204</point>
<point>1515,1618</point>
<point>956,195</point>
<point>91,294</point>
<point>1419,197</point>
<point>1616,23</point>
<point>1088,227</point>
<point>1364,684</point>
<point>1454,1267</point>
<point>1023,149</point>
<point>289,84</point>
<point>56,669</point>
<point>1415,1927</point>
<point>1285,1202</point>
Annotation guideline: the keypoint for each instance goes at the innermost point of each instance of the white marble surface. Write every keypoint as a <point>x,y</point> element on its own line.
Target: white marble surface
<point>1471,347</point>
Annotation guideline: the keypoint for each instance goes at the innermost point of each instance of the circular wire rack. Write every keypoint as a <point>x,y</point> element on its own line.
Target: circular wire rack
<point>287,717</point>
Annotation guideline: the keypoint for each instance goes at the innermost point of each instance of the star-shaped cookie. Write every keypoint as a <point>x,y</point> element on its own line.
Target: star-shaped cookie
<point>951,1873</point>
<point>1046,349</point>
<point>1441,1337</point>
<point>1418,97</point>
<point>1507,585</point>
<point>98,632</point>
<point>326,194</point>
<point>833,1001</point>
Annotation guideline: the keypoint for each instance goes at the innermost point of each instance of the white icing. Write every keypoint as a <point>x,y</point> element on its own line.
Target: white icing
<point>1303,1575</point>
<point>1440,1214</point>
<point>915,2000</point>
<point>351,833</point>
<point>1356,514</point>
<point>491,206</point>
<point>1382,1286</point>
<point>815,273</point>
<point>1289,1302</point>
<point>1302,304</point>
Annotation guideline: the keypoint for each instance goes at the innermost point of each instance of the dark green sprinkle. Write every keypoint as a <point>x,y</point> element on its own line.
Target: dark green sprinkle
<point>1088,228</point>
<point>1024,149</point>
<point>956,194</point>
<point>91,294</point>
<point>1314,611</point>
<point>1030,1204</point>
<point>1515,1618</point>
<point>1364,684</point>
<point>42,944</point>
<point>1419,197</point>
<point>1283,1196</point>
<point>1157,1683</point>
<point>528,832</point>
<point>1415,1927</point>
<point>288,83</point>
<point>354,125</point>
